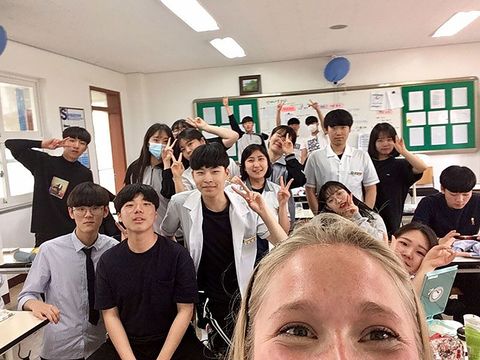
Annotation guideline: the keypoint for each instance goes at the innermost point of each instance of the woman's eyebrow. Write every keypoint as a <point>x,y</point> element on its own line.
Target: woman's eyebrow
<point>372,308</point>
<point>296,306</point>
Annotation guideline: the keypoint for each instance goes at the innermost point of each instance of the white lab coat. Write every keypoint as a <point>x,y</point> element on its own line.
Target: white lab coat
<point>185,211</point>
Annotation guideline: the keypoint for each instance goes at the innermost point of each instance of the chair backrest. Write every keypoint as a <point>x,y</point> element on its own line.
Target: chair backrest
<point>427,178</point>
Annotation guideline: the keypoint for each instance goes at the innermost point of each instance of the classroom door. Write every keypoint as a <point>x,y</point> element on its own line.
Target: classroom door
<point>109,140</point>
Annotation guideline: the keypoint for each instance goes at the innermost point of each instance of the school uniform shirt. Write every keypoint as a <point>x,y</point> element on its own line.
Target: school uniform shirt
<point>248,139</point>
<point>316,142</point>
<point>59,271</point>
<point>298,147</point>
<point>355,169</point>
<point>433,211</point>
<point>185,211</point>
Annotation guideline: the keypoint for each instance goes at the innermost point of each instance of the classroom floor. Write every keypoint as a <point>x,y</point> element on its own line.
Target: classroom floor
<point>34,342</point>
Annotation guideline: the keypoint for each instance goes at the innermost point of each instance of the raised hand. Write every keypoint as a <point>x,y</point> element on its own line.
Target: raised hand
<point>350,209</point>
<point>284,192</point>
<point>280,104</point>
<point>167,154</point>
<point>254,200</point>
<point>198,122</point>
<point>313,104</point>
<point>439,255</point>
<point>287,145</point>
<point>399,145</point>
<point>225,101</point>
<point>53,144</point>
<point>177,166</point>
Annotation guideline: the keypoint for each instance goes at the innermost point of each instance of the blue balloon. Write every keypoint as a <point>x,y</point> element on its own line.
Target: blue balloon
<point>3,39</point>
<point>336,69</point>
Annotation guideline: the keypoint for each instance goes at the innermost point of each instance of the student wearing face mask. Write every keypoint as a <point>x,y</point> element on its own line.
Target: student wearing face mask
<point>147,169</point>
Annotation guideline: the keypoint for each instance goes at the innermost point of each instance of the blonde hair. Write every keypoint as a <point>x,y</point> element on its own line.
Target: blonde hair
<point>324,230</point>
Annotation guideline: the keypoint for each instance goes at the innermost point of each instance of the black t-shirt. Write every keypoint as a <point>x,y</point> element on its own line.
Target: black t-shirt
<point>146,287</point>
<point>434,211</point>
<point>396,176</point>
<point>216,273</point>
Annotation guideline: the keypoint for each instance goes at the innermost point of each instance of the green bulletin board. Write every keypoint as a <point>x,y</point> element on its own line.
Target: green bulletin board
<point>214,113</point>
<point>439,116</point>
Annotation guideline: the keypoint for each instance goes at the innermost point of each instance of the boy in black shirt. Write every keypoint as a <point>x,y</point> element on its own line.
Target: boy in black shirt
<point>146,288</point>
<point>54,179</point>
<point>220,230</point>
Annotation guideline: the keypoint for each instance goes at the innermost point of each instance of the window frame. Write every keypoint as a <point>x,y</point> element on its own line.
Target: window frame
<point>13,202</point>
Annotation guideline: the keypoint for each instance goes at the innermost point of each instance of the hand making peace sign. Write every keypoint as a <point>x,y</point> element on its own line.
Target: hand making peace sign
<point>254,199</point>
<point>284,192</point>
<point>167,154</point>
<point>198,122</point>
<point>177,166</point>
<point>287,145</point>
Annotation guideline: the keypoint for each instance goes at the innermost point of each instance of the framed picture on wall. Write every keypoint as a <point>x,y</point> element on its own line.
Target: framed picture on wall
<point>251,84</point>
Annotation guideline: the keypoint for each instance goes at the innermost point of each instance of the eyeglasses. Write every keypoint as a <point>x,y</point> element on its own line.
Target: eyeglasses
<point>82,210</point>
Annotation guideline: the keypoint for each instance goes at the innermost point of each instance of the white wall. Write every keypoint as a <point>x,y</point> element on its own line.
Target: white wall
<point>63,82</point>
<point>168,96</point>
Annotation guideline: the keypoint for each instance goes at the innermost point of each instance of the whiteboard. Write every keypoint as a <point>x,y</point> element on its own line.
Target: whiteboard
<point>366,113</point>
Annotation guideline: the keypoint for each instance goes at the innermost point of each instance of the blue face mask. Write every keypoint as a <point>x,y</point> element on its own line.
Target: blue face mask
<point>156,149</point>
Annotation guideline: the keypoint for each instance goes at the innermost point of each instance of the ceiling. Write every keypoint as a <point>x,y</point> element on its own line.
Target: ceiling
<point>131,36</point>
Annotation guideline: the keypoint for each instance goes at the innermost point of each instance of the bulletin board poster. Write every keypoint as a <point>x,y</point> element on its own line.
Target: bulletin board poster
<point>439,116</point>
<point>75,117</point>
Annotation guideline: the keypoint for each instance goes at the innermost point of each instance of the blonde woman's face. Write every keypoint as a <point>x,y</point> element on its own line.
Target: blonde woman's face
<point>333,302</point>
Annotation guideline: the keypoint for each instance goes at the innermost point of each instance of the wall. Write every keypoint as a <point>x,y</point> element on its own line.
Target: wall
<point>168,96</point>
<point>63,82</point>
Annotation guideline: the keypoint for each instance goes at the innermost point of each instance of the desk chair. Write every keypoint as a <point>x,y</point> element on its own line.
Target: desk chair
<point>423,187</point>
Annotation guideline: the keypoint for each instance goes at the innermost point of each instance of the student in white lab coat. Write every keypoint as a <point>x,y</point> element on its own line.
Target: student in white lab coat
<point>220,227</point>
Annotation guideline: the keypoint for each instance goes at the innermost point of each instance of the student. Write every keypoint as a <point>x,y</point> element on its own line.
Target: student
<point>146,288</point>
<point>148,168</point>
<point>455,211</point>
<point>284,163</point>
<point>418,247</point>
<point>220,229</point>
<point>396,175</point>
<point>299,147</point>
<point>255,168</point>
<point>302,304</point>
<point>246,137</point>
<point>180,125</point>
<point>63,271</point>
<point>340,162</point>
<point>335,197</point>
<point>54,179</point>
<point>187,141</point>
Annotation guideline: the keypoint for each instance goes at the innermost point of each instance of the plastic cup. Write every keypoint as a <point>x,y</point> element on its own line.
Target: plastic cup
<point>472,335</point>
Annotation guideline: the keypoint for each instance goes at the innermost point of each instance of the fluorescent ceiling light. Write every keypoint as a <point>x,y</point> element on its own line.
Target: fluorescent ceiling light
<point>456,23</point>
<point>191,12</point>
<point>228,47</point>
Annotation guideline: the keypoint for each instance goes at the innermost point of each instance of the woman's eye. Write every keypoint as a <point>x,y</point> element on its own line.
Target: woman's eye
<point>420,253</point>
<point>380,334</point>
<point>297,331</point>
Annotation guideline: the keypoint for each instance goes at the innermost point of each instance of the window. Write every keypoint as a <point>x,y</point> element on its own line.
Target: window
<point>18,119</point>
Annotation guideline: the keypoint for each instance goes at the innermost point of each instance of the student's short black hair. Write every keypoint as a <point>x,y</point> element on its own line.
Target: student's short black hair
<point>283,130</point>
<point>338,117</point>
<point>381,129</point>
<point>249,150</point>
<point>129,192</point>
<point>309,120</point>
<point>77,132</point>
<point>247,119</point>
<point>209,156</point>
<point>189,134</point>
<point>424,229</point>
<point>88,194</point>
<point>458,179</point>
<point>293,121</point>
<point>180,125</point>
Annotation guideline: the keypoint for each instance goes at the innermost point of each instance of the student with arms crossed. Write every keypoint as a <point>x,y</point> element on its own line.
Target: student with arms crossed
<point>455,211</point>
<point>220,230</point>
<point>146,288</point>
<point>54,179</point>
<point>396,175</point>
<point>63,270</point>
<point>340,162</point>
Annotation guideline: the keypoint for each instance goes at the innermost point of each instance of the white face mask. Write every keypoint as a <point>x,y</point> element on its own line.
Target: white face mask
<point>313,127</point>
